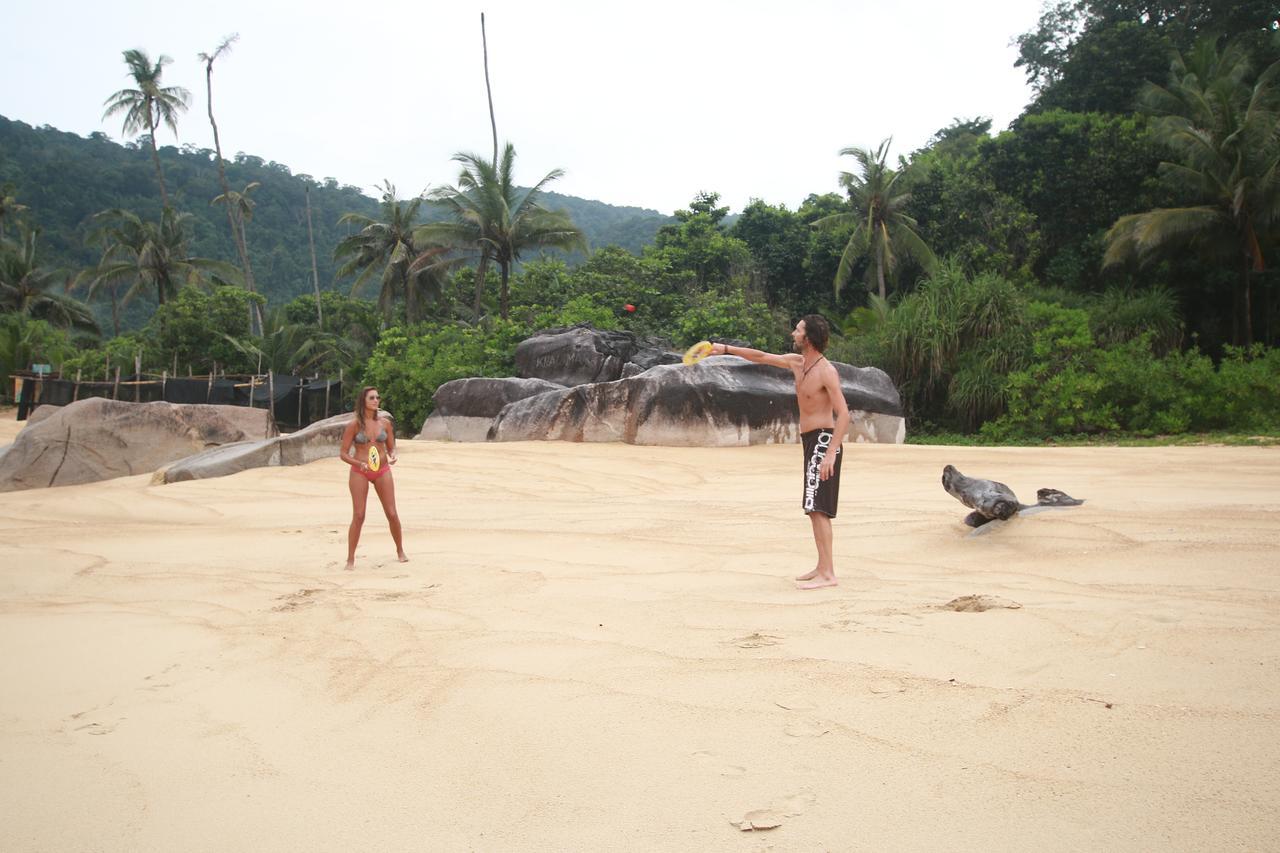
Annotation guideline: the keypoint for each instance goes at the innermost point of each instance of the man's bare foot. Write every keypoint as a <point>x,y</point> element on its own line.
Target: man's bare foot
<point>402,557</point>
<point>808,576</point>
<point>818,582</point>
<point>350,566</point>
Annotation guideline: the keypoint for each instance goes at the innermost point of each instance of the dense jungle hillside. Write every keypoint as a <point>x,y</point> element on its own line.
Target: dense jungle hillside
<point>65,179</point>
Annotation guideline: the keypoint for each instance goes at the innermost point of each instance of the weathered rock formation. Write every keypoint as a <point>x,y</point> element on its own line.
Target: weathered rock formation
<point>465,408</point>
<point>97,439</point>
<point>320,440</point>
<point>578,355</point>
<point>722,401</point>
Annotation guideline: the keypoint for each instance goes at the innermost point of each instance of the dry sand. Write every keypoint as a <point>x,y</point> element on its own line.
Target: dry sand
<point>596,647</point>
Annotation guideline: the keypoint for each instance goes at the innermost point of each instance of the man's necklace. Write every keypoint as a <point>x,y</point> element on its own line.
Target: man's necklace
<point>810,367</point>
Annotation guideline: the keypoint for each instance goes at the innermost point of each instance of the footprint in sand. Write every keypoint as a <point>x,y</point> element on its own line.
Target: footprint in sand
<point>728,770</point>
<point>295,600</point>
<point>99,728</point>
<point>756,640</point>
<point>886,687</point>
<point>795,702</point>
<point>807,728</point>
<point>792,805</point>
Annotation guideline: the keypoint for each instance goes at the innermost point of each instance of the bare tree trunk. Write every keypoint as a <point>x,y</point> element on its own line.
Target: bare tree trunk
<point>484,39</point>
<point>155,157</point>
<point>482,269</point>
<point>255,310</point>
<point>315,270</point>
<point>1248,310</point>
<point>504,297</point>
<point>233,214</point>
<point>880,273</point>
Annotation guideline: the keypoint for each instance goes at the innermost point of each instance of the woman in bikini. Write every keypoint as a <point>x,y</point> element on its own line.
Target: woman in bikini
<point>369,447</point>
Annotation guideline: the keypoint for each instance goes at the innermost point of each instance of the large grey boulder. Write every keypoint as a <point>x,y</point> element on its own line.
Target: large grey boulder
<point>578,355</point>
<point>465,408</point>
<point>320,440</point>
<point>722,401</point>
<point>98,439</point>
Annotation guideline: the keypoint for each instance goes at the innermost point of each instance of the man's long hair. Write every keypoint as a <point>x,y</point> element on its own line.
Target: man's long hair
<point>817,331</point>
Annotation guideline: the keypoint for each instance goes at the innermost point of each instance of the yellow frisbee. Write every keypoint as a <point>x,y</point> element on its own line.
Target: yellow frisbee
<point>697,352</point>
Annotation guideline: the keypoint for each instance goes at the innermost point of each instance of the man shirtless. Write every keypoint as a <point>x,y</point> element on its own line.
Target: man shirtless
<point>824,422</point>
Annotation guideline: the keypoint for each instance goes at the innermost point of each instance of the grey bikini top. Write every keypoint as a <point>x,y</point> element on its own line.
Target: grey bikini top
<point>361,438</point>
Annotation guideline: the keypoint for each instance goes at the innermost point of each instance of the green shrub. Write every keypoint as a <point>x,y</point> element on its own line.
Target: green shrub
<point>410,363</point>
<point>710,315</point>
<point>1248,390</point>
<point>24,341</point>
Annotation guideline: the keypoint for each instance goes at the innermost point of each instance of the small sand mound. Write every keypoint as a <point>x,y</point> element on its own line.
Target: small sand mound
<point>979,603</point>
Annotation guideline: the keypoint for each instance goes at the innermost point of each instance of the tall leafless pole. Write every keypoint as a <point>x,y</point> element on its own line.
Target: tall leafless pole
<point>315,271</point>
<point>488,90</point>
<point>233,214</point>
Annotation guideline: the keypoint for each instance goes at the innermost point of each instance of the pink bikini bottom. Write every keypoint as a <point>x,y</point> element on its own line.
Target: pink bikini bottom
<point>373,475</point>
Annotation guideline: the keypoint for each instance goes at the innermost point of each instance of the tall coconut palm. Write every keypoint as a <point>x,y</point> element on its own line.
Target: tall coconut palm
<point>1223,127</point>
<point>149,105</point>
<point>241,205</point>
<point>408,269</point>
<point>881,228</point>
<point>233,217</point>
<point>30,290</point>
<point>492,217</point>
<point>150,256</point>
<point>9,207</point>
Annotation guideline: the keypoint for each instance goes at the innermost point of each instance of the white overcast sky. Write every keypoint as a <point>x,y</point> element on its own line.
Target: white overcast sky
<point>641,104</point>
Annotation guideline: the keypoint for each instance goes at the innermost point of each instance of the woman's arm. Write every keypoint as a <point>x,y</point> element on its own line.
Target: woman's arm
<point>391,441</point>
<point>348,436</point>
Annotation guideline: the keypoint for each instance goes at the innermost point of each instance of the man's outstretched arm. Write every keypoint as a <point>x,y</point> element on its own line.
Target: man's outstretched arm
<point>755,355</point>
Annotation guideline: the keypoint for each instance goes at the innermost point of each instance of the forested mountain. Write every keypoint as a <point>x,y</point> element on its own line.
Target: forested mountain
<point>64,179</point>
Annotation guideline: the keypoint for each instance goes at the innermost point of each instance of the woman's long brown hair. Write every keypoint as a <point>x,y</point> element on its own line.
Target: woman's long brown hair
<point>360,407</point>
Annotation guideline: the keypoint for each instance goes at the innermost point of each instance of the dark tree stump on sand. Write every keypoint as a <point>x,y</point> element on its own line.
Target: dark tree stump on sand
<point>991,501</point>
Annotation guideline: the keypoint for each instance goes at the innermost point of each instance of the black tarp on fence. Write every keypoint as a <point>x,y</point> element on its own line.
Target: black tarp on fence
<point>296,401</point>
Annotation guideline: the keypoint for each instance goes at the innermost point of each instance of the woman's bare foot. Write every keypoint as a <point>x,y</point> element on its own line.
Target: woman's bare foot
<point>808,576</point>
<point>350,566</point>
<point>402,557</point>
<point>818,582</point>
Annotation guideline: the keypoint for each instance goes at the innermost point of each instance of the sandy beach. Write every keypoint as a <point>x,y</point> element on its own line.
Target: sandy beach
<point>598,647</point>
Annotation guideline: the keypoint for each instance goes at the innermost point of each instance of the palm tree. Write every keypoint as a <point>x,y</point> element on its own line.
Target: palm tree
<point>1225,135</point>
<point>233,216</point>
<point>491,216</point>
<point>150,256</point>
<point>240,207</point>
<point>147,106</point>
<point>297,348</point>
<point>9,207</point>
<point>881,228</point>
<point>409,270</point>
<point>29,290</point>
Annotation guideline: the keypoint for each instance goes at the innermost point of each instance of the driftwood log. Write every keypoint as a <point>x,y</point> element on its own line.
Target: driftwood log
<point>992,501</point>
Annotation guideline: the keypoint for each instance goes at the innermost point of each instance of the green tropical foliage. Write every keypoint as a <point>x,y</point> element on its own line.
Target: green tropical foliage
<point>1221,124</point>
<point>408,270</point>
<point>31,290</point>
<point>150,257</point>
<point>490,216</point>
<point>881,228</point>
